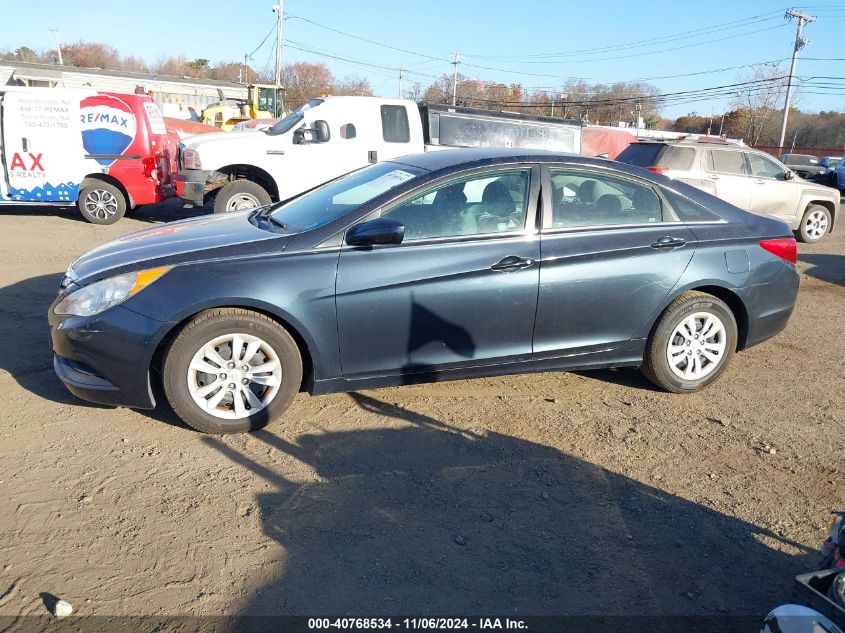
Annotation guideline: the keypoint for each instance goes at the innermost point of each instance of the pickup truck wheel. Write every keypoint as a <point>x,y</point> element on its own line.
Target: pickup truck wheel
<point>101,203</point>
<point>815,224</point>
<point>240,195</point>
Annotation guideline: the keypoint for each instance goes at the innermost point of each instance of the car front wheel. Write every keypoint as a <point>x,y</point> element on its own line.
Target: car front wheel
<point>231,370</point>
<point>691,343</point>
<point>815,224</point>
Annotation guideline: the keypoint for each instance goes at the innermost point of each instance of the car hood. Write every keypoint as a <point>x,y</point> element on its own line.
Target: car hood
<point>173,243</point>
<point>214,140</point>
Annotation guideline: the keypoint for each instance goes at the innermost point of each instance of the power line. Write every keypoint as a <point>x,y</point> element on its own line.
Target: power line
<point>273,30</point>
<point>640,43</point>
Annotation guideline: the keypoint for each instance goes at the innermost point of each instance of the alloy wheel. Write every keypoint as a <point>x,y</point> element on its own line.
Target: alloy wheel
<point>234,376</point>
<point>815,224</point>
<point>101,204</point>
<point>697,346</point>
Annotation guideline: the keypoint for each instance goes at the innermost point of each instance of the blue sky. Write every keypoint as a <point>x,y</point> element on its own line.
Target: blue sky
<point>536,43</point>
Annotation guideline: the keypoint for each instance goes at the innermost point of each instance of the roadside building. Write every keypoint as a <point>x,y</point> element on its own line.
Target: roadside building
<point>168,91</point>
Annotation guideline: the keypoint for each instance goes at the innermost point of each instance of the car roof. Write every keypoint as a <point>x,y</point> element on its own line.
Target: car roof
<point>481,156</point>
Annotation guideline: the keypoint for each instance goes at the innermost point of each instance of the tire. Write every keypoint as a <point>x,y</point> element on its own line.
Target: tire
<point>214,333</point>
<point>101,203</point>
<point>240,195</point>
<point>814,225</point>
<point>706,311</point>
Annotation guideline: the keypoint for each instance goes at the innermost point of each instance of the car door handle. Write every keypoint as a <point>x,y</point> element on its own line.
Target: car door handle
<point>511,264</point>
<point>760,182</point>
<point>714,177</point>
<point>669,243</point>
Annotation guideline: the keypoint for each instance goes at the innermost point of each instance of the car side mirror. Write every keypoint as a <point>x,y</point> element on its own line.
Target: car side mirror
<point>376,232</point>
<point>320,132</point>
<point>789,175</point>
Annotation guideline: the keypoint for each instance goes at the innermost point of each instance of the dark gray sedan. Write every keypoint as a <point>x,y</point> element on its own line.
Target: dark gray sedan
<point>431,267</point>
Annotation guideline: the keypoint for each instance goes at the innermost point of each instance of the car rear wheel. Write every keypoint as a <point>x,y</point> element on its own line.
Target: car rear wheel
<point>691,343</point>
<point>101,203</point>
<point>240,195</point>
<point>815,224</point>
<point>231,370</point>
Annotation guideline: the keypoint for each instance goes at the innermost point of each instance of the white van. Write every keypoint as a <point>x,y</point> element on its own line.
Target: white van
<point>103,152</point>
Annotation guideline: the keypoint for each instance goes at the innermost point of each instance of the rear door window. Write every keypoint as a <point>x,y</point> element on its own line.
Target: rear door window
<point>394,124</point>
<point>688,210</point>
<point>585,198</point>
<point>726,162</point>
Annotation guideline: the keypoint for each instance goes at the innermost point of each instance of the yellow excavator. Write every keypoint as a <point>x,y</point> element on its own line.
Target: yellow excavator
<point>264,101</point>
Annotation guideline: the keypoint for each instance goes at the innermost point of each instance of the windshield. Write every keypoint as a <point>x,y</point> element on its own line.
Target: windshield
<point>293,118</point>
<point>334,199</point>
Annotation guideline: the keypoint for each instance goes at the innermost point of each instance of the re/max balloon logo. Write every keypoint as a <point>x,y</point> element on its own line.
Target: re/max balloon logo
<point>108,127</point>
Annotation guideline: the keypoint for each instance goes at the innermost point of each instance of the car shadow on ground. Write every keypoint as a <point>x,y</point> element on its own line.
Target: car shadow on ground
<point>829,268</point>
<point>170,210</point>
<point>424,518</point>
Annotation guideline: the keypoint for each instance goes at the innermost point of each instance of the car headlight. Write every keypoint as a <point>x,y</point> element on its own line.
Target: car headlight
<point>102,295</point>
<point>191,159</point>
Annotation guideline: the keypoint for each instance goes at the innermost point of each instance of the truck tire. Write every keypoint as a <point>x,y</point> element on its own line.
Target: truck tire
<point>240,195</point>
<point>814,225</point>
<point>101,203</point>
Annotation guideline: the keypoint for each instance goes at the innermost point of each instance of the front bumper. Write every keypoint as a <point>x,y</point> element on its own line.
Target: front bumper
<point>190,185</point>
<point>106,358</point>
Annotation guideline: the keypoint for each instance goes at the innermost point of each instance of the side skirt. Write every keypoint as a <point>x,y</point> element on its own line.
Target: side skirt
<point>629,355</point>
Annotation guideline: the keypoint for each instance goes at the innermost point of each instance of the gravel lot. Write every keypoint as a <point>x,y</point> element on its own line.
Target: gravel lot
<point>541,494</point>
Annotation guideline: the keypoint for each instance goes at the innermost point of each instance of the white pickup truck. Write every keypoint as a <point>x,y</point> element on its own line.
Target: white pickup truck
<point>331,136</point>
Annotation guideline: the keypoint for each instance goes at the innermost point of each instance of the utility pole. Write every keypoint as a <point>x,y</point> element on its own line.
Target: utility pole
<point>58,46</point>
<point>280,11</point>
<point>245,69</point>
<point>401,74</point>
<point>800,43</point>
<point>455,80</point>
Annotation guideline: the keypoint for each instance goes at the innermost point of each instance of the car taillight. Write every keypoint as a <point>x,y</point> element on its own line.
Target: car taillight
<point>150,167</point>
<point>659,169</point>
<point>784,247</point>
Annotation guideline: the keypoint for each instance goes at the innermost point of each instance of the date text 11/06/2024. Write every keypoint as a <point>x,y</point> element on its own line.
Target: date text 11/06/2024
<point>411,624</point>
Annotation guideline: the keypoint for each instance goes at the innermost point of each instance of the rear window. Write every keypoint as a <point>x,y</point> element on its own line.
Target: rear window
<point>726,162</point>
<point>689,211</point>
<point>658,154</point>
<point>394,124</point>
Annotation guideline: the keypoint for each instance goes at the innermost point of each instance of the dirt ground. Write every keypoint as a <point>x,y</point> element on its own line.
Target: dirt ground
<point>541,494</point>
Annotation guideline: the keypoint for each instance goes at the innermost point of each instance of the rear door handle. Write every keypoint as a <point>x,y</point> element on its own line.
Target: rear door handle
<point>714,177</point>
<point>669,243</point>
<point>511,264</point>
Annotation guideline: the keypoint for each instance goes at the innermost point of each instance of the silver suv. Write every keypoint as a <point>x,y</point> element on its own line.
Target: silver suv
<point>745,177</point>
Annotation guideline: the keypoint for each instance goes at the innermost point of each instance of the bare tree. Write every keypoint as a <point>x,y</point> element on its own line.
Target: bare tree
<point>174,66</point>
<point>90,55</point>
<point>756,103</point>
<point>353,85</point>
<point>304,81</point>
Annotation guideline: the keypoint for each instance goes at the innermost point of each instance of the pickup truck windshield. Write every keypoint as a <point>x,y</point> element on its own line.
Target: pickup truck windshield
<point>334,199</point>
<point>293,118</point>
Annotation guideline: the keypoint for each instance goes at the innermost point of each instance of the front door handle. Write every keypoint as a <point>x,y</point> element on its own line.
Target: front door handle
<point>669,243</point>
<point>511,264</point>
<point>714,176</point>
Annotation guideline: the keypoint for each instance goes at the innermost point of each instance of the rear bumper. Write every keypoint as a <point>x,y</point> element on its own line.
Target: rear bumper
<point>770,305</point>
<point>190,185</point>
